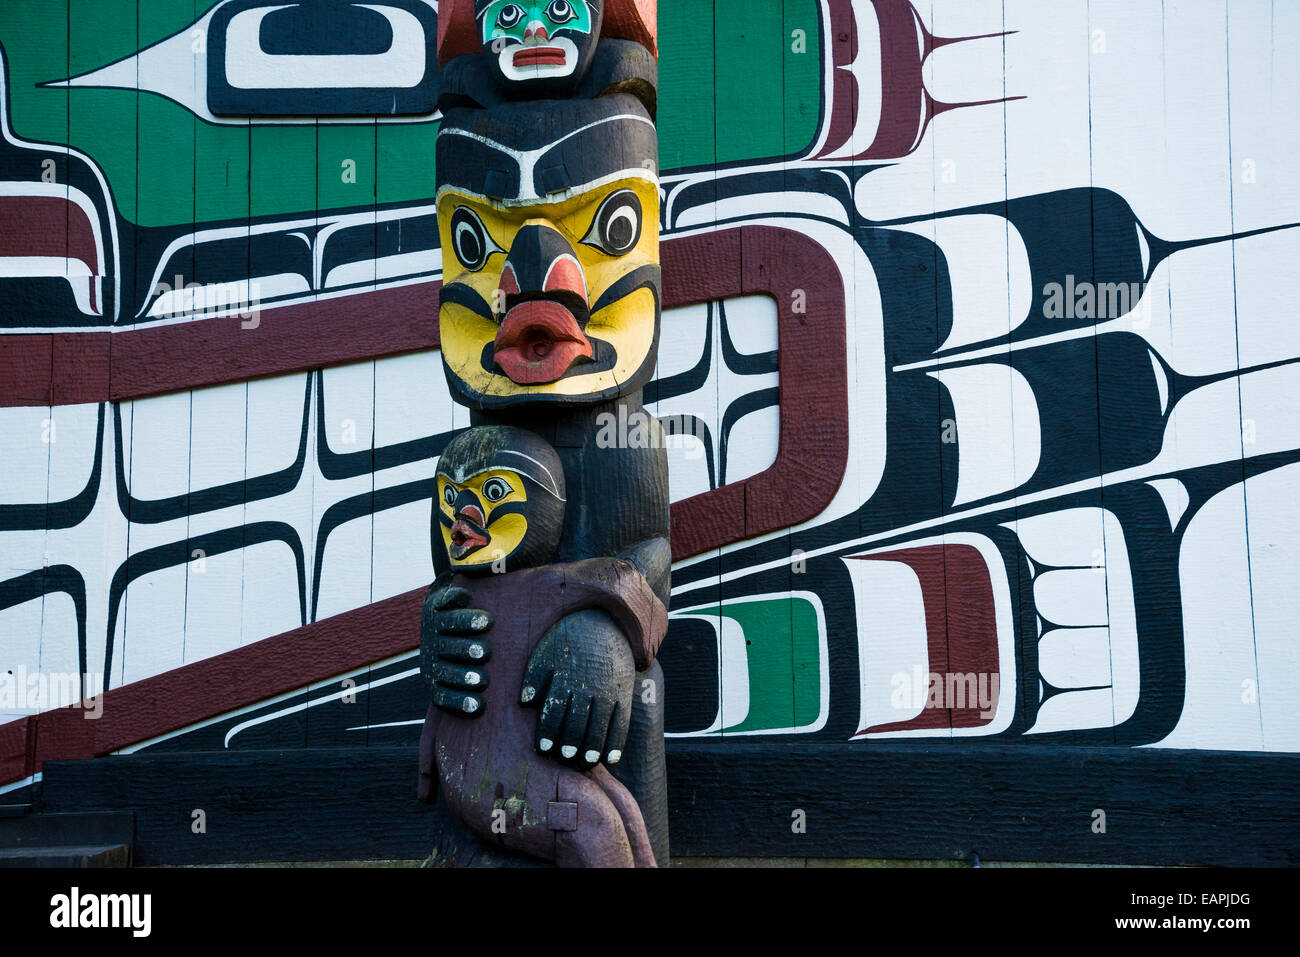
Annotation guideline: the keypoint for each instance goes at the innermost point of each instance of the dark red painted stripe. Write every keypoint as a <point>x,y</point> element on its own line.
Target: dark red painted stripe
<point>48,226</point>
<point>814,400</point>
<point>296,338</point>
<point>960,624</point>
<point>237,679</point>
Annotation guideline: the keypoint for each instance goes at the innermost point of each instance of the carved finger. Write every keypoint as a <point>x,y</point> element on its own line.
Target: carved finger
<point>457,702</point>
<point>459,677</point>
<point>463,621</point>
<point>551,721</point>
<point>593,743</point>
<point>447,598</point>
<point>466,651</point>
<point>574,731</point>
<point>617,736</point>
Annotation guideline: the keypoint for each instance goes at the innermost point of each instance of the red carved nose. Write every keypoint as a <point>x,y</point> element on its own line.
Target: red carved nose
<point>536,31</point>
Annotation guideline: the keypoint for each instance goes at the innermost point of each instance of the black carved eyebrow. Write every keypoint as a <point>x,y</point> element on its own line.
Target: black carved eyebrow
<point>467,163</point>
<point>511,153</point>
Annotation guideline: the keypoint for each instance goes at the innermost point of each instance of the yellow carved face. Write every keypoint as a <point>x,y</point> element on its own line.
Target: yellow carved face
<point>484,518</point>
<point>550,300</point>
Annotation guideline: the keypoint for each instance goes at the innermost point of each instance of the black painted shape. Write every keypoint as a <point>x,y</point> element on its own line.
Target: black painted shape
<point>743,363</point>
<point>65,514</point>
<point>252,489</point>
<point>182,552</point>
<point>343,465</point>
<point>824,183</point>
<point>683,383</point>
<point>54,579</point>
<point>751,402</point>
<point>1081,239</point>
<point>689,657</point>
<point>357,506</point>
<point>683,424</point>
<point>327,27</point>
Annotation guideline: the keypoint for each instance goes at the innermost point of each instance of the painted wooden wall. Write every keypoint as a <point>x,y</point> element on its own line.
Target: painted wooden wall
<point>980,345</point>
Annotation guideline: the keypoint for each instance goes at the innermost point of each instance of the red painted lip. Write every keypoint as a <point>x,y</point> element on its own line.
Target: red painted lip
<point>465,538</point>
<point>539,56</point>
<point>538,342</point>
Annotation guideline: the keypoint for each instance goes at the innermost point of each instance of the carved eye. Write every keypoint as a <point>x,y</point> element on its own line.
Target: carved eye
<point>470,240</point>
<point>449,494</point>
<point>509,16</point>
<point>560,11</point>
<point>617,226</point>
<point>495,489</point>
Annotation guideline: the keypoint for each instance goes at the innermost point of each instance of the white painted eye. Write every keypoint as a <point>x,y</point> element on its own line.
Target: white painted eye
<point>470,240</point>
<point>617,227</point>
<point>495,489</point>
<point>449,494</point>
<point>560,11</point>
<point>509,16</point>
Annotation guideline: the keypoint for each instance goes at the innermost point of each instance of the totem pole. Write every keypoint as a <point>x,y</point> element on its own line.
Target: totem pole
<point>550,528</point>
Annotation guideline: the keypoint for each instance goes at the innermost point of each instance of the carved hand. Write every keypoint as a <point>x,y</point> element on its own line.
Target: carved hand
<point>452,649</point>
<point>582,676</point>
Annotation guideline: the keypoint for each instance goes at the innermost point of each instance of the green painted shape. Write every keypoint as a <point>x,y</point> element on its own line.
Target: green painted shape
<point>803,77</point>
<point>222,177</point>
<point>336,146</point>
<point>283,169</point>
<point>749,116</point>
<point>783,653</point>
<point>761,110</point>
<point>406,156</point>
<point>686,83</point>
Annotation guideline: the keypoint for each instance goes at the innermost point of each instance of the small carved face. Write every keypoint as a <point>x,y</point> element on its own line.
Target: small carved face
<point>500,499</point>
<point>540,43</point>
<point>486,512</point>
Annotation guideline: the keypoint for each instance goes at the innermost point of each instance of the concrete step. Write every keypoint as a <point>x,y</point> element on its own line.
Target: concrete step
<point>72,839</point>
<point>69,855</point>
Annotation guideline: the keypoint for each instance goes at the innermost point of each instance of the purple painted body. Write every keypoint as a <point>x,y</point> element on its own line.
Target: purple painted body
<point>487,764</point>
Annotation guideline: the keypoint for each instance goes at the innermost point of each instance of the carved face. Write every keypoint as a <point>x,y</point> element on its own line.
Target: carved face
<point>549,295</point>
<point>500,499</point>
<point>540,46</point>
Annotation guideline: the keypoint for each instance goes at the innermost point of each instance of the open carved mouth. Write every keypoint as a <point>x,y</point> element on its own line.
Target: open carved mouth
<point>539,56</point>
<point>538,342</point>
<point>466,537</point>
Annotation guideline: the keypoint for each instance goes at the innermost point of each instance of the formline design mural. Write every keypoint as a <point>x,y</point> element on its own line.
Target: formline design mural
<point>973,378</point>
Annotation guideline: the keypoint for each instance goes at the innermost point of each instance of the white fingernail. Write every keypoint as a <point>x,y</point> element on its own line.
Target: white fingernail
<point>480,622</point>
<point>545,744</point>
<point>528,694</point>
<point>568,750</point>
<point>614,757</point>
<point>476,651</point>
<point>592,757</point>
<point>471,677</point>
<point>470,705</point>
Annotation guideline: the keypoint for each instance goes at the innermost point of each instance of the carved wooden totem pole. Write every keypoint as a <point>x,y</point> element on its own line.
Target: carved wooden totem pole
<point>544,739</point>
